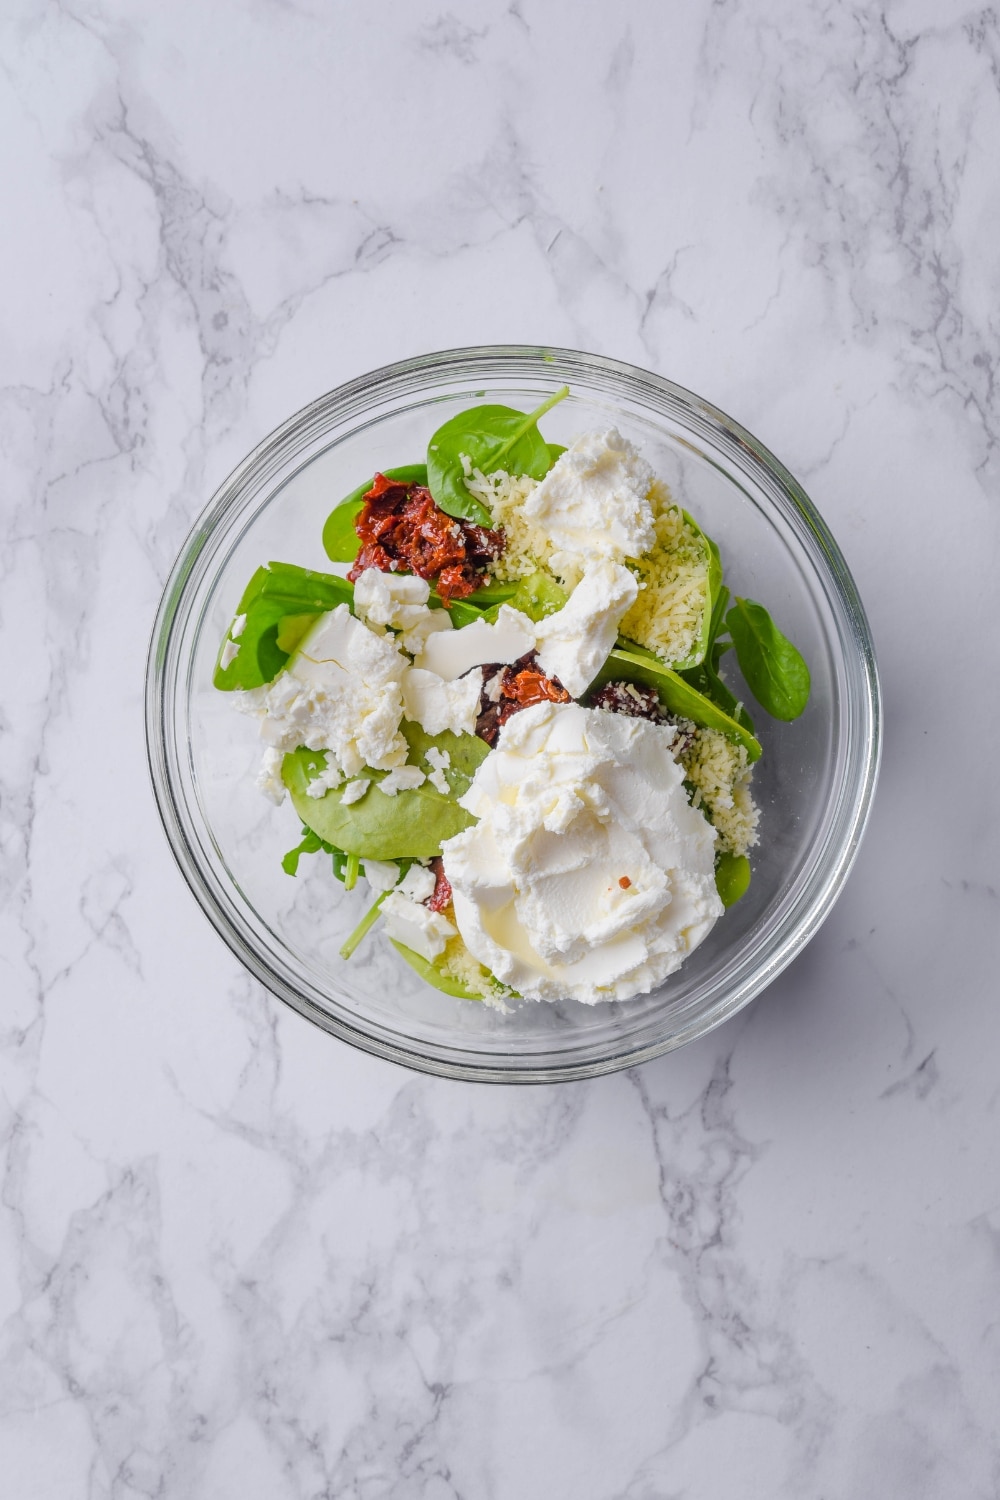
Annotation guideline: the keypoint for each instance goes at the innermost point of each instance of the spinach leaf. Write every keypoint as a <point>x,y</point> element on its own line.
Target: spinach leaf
<point>464,613</point>
<point>706,680</point>
<point>276,594</point>
<point>775,671</point>
<point>732,877</point>
<point>492,438</point>
<point>413,824</point>
<point>538,595</point>
<point>340,540</point>
<point>431,974</point>
<point>490,594</point>
<point>676,694</point>
<point>556,450</point>
<point>313,844</point>
<point>364,926</point>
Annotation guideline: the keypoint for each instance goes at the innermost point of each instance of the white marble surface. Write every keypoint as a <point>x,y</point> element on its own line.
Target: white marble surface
<point>239,1261</point>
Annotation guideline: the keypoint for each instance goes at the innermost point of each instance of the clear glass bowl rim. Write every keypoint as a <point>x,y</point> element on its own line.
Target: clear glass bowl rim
<point>482,363</point>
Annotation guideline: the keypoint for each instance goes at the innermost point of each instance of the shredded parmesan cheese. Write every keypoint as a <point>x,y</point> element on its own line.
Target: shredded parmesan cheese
<point>504,495</point>
<point>457,963</point>
<point>718,770</point>
<point>673,584</point>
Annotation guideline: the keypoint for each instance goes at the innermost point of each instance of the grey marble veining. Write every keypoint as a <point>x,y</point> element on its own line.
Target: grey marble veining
<point>238,1259</point>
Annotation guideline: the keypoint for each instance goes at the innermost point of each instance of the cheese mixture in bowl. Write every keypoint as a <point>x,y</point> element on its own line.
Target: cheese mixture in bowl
<point>513,725</point>
<point>512,742</point>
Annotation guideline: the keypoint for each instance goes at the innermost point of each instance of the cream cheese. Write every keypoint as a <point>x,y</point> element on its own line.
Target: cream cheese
<point>594,502</point>
<point>573,643</point>
<point>588,874</point>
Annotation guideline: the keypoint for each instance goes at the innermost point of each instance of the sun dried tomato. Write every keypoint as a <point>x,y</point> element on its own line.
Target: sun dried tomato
<point>630,699</point>
<point>401,529</point>
<point>518,686</point>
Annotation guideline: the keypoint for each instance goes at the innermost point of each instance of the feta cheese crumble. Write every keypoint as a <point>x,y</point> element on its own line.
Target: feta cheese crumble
<point>415,926</point>
<point>355,790</point>
<point>588,874</point>
<point>401,779</point>
<point>437,704</point>
<point>381,874</point>
<point>340,692</point>
<point>399,600</point>
<point>439,762</point>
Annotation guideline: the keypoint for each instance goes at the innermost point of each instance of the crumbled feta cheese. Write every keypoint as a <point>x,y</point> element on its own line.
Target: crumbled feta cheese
<point>355,790</point>
<point>455,653</point>
<point>268,778</point>
<point>611,906</point>
<point>230,652</point>
<point>399,600</point>
<point>402,779</point>
<point>330,776</point>
<point>416,926</point>
<point>573,643</point>
<point>340,692</point>
<point>381,874</point>
<point>390,598</point>
<point>594,502</point>
<point>238,626</point>
<point>439,762</point>
<point>437,705</point>
<point>418,883</point>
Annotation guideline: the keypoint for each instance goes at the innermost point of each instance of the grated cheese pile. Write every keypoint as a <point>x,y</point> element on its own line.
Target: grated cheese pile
<point>528,548</point>
<point>457,963</point>
<point>720,774</point>
<point>673,583</point>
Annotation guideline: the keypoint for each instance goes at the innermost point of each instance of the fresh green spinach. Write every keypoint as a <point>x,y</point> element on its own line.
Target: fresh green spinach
<point>732,877</point>
<point>364,926</point>
<point>340,540</point>
<point>313,844</point>
<point>491,438</point>
<point>538,595</point>
<point>774,669</point>
<point>276,595</point>
<point>412,824</point>
<point>431,974</point>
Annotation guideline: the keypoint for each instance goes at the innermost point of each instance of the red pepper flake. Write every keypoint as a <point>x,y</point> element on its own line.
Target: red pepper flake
<point>401,529</point>
<point>624,882</point>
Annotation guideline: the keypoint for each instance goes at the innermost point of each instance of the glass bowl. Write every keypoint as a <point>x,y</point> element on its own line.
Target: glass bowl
<point>814,782</point>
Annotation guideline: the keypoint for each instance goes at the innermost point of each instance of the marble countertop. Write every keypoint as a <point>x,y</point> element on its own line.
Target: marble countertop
<point>239,1261</point>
